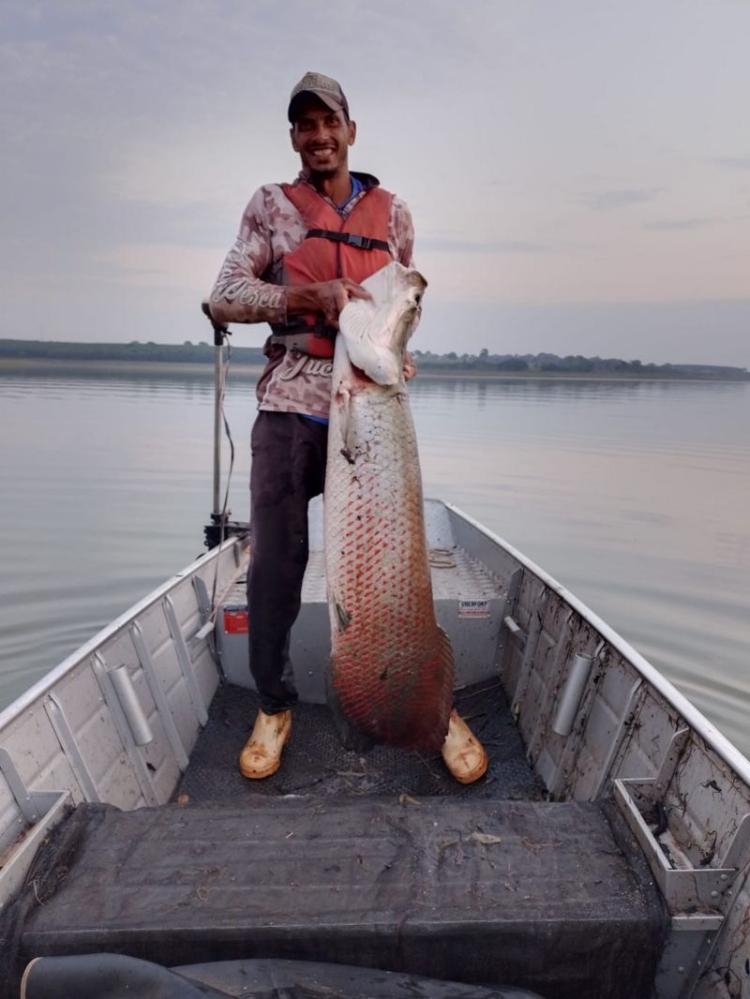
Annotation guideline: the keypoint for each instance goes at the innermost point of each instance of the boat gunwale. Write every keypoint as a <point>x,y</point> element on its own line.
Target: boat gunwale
<point>713,738</point>
<point>50,678</point>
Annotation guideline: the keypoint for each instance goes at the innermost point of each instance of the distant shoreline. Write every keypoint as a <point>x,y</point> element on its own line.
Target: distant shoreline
<point>41,365</point>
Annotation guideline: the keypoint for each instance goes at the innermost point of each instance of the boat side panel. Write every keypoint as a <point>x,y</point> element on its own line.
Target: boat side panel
<point>80,697</point>
<point>704,818</point>
<point>190,621</point>
<point>64,735</point>
<point>37,756</point>
<point>705,806</point>
<point>163,654</point>
<point>728,976</point>
<point>158,756</point>
<point>12,822</point>
<point>516,650</point>
<point>535,671</point>
<point>33,746</point>
<point>649,733</point>
<point>604,724</point>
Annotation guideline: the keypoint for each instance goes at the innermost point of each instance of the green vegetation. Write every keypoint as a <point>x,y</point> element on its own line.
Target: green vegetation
<point>176,353</point>
<point>572,364</point>
<point>482,363</point>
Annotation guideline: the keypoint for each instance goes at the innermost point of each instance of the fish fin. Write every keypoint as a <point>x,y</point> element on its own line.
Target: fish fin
<point>356,324</point>
<point>346,424</point>
<point>343,616</point>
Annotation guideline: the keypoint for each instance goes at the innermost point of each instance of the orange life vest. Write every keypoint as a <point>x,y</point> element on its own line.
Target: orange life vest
<point>354,246</point>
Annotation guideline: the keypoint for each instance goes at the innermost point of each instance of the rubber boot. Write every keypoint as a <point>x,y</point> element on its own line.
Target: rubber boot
<point>261,755</point>
<point>462,752</point>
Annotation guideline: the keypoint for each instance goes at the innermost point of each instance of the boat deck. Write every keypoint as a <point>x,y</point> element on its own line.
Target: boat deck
<point>537,894</point>
<point>377,859</point>
<point>315,762</point>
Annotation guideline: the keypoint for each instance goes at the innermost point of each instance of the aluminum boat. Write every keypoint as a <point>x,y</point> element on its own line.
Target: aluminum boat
<point>605,854</point>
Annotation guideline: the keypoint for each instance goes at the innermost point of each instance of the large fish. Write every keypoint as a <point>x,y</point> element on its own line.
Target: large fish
<point>391,665</point>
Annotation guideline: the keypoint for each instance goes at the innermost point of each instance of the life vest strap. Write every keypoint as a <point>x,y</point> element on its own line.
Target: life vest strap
<point>296,334</point>
<point>350,238</point>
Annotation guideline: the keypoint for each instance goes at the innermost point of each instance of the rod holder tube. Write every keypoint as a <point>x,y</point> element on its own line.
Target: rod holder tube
<point>512,625</point>
<point>572,693</point>
<point>131,706</point>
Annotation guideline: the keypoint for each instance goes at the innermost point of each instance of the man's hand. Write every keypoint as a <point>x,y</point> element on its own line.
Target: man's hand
<point>410,366</point>
<point>327,297</point>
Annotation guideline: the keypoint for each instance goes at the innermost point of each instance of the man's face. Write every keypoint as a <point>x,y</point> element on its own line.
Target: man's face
<point>322,137</point>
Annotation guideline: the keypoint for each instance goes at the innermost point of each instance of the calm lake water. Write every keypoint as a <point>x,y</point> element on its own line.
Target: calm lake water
<point>633,494</point>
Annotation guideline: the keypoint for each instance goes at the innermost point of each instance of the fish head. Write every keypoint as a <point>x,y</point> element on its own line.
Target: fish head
<point>376,331</point>
<point>406,307</point>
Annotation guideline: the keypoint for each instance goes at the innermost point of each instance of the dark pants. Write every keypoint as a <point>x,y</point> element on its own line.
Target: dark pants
<point>288,469</point>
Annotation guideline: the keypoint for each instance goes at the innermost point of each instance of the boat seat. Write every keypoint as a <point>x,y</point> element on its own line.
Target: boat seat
<point>547,896</point>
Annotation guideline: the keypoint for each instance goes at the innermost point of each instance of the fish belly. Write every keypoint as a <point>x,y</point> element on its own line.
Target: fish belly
<point>392,666</point>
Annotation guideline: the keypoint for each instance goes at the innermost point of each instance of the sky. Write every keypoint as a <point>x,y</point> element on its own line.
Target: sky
<point>578,172</point>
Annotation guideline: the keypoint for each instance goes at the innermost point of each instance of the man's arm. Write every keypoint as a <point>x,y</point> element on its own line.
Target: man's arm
<point>241,296</point>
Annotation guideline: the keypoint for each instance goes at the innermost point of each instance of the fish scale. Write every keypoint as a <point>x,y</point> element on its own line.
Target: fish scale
<point>391,665</point>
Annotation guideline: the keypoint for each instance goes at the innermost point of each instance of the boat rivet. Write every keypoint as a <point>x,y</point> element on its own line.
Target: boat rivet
<point>714,894</point>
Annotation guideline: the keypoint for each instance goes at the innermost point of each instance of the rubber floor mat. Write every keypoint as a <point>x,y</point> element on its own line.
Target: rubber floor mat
<point>315,761</point>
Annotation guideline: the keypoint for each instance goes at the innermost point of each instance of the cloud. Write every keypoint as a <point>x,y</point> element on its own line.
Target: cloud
<point>439,244</point>
<point>734,162</point>
<point>667,225</point>
<point>605,201</point>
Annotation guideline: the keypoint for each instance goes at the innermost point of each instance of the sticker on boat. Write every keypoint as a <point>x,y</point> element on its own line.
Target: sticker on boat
<point>473,608</point>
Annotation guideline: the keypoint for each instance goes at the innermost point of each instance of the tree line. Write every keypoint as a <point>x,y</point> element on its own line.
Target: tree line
<point>180,353</point>
<point>483,362</point>
<point>546,363</point>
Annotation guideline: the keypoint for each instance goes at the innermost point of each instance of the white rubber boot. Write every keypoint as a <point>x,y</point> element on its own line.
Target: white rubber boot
<point>463,753</point>
<point>261,755</point>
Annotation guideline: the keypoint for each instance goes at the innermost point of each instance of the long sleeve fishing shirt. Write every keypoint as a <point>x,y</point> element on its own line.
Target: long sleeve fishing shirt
<point>250,289</point>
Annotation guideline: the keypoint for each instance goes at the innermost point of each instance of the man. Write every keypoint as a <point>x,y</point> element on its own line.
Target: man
<point>300,255</point>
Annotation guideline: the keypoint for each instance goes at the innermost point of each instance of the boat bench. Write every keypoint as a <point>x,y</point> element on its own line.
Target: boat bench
<point>535,894</point>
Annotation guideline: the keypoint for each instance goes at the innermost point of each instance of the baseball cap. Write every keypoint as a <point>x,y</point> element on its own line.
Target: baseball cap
<point>324,88</point>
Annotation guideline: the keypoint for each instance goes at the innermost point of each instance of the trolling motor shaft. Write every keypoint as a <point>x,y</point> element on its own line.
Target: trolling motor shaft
<point>220,526</point>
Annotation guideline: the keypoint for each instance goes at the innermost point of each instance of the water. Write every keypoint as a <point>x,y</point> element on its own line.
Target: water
<point>634,495</point>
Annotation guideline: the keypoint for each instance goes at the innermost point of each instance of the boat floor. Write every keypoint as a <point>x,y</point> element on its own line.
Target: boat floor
<point>315,762</point>
<point>375,859</point>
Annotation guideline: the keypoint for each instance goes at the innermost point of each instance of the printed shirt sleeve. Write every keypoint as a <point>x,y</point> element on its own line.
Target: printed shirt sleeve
<point>402,232</point>
<point>239,294</point>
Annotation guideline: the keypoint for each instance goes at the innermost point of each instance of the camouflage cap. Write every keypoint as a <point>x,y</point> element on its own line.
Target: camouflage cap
<point>322,87</point>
